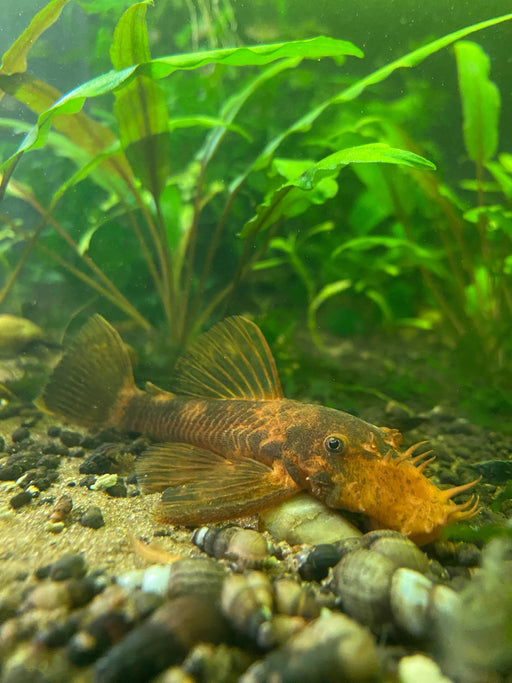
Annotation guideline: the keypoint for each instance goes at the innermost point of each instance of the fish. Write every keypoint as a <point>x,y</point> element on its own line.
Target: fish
<point>229,444</point>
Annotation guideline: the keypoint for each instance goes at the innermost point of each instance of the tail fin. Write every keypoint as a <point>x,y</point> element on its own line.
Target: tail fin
<point>93,381</point>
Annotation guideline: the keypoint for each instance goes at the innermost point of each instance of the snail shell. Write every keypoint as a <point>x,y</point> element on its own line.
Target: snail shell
<point>303,519</point>
<point>198,576</point>
<point>244,548</point>
<point>247,601</point>
<point>332,647</point>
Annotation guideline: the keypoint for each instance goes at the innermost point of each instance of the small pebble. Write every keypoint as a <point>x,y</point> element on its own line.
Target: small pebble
<point>76,452</point>
<point>20,434</point>
<point>92,518</point>
<point>54,527</point>
<point>53,431</point>
<point>119,490</point>
<point>89,480</point>
<point>97,463</point>
<point>69,438</point>
<point>67,567</point>
<point>20,499</point>
<point>89,442</point>
<point>55,447</point>
<point>10,472</point>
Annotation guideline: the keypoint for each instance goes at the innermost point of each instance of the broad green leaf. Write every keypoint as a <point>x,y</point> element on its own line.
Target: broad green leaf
<point>257,55</point>
<point>84,132</point>
<point>480,101</point>
<point>15,59</point>
<point>130,45</point>
<point>314,178</point>
<point>377,152</point>
<point>140,106</point>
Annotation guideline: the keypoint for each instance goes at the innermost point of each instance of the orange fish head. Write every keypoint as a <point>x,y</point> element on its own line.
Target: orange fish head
<point>356,466</point>
<point>395,494</point>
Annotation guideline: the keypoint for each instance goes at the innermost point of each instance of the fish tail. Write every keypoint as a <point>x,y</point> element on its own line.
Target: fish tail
<point>93,381</point>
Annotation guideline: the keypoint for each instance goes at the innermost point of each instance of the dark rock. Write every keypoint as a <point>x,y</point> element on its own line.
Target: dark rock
<point>20,434</point>
<point>43,572</point>
<point>56,448</point>
<point>76,452</point>
<point>54,431</point>
<point>119,490</point>
<point>80,591</point>
<point>132,479</point>
<point>70,438</point>
<point>92,518</point>
<point>20,499</point>
<point>2,444</point>
<point>89,442</point>
<point>50,462</point>
<point>10,472</point>
<point>97,463</point>
<point>88,481</point>
<point>67,567</point>
<point>27,460</point>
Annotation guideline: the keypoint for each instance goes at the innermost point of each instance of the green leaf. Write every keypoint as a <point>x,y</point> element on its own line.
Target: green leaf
<point>319,178</point>
<point>362,154</point>
<point>409,60</point>
<point>206,122</point>
<point>480,101</point>
<point>15,59</point>
<point>130,45</point>
<point>140,106</point>
<point>256,55</point>
<point>503,178</point>
<point>328,291</point>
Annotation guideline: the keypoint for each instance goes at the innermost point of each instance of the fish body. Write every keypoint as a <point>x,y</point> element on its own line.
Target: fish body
<point>233,445</point>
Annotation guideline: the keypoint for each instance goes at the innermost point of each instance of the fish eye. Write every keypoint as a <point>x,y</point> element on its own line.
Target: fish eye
<point>334,444</point>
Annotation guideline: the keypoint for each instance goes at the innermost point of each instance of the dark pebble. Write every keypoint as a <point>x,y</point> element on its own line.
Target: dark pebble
<point>50,462</point>
<point>92,518</point>
<point>67,567</point>
<point>27,460</point>
<point>469,555</point>
<point>55,447</point>
<point>89,442</point>
<point>43,572</point>
<point>119,490</point>
<point>30,421</point>
<point>2,444</point>
<point>10,472</point>
<point>80,591</point>
<point>20,434</point>
<point>53,431</point>
<point>76,452</point>
<point>20,499</point>
<point>97,463</point>
<point>69,438</point>
<point>88,481</point>
<point>132,479</point>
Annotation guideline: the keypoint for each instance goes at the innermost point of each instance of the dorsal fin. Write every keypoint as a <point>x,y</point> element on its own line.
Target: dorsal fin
<point>232,360</point>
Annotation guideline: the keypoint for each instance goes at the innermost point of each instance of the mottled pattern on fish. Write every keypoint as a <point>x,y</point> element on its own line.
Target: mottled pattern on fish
<point>234,445</point>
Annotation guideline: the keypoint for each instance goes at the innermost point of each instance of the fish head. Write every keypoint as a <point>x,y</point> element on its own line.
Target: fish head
<point>352,465</point>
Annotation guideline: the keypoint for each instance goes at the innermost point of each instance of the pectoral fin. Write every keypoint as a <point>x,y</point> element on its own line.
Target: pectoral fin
<point>200,486</point>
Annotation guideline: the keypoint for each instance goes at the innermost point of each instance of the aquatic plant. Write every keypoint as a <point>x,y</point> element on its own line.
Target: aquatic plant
<point>184,197</point>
